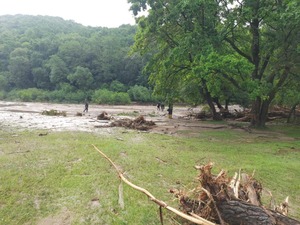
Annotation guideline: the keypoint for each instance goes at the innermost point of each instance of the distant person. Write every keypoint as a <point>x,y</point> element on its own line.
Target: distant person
<point>158,106</point>
<point>162,107</point>
<point>86,106</point>
<point>170,111</point>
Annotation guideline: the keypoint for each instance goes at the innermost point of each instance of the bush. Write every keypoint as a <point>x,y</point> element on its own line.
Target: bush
<point>75,97</point>
<point>68,96</point>
<point>140,94</point>
<point>2,95</point>
<point>117,86</point>
<point>56,96</point>
<point>104,96</point>
<point>121,98</point>
<point>28,95</point>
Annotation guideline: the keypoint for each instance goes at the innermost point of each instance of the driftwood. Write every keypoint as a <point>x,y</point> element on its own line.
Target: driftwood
<point>103,116</point>
<point>233,201</point>
<point>218,200</point>
<point>195,220</point>
<point>274,113</point>
<point>138,123</point>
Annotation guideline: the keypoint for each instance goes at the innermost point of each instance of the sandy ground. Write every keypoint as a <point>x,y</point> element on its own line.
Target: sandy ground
<point>28,115</point>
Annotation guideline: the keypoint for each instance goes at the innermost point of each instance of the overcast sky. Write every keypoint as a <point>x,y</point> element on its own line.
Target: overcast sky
<point>104,13</point>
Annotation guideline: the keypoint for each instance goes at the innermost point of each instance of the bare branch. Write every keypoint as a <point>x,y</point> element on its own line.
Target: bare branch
<point>238,50</point>
<point>198,220</point>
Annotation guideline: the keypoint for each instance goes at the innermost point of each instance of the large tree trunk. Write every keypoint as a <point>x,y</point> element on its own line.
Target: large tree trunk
<point>209,100</point>
<point>292,113</point>
<point>236,212</point>
<point>259,112</point>
<point>231,201</point>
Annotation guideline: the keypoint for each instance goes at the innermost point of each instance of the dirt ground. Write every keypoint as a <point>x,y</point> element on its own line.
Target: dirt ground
<point>28,115</point>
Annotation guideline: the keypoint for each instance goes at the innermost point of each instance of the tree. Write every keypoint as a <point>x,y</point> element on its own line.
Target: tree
<point>82,78</point>
<point>266,34</point>
<point>20,68</point>
<point>41,78</point>
<point>205,41</point>
<point>58,70</point>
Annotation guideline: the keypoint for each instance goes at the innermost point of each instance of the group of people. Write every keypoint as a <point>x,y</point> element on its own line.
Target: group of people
<point>160,106</point>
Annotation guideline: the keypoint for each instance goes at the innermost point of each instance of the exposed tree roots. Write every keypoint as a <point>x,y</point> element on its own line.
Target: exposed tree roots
<point>233,201</point>
<point>139,123</point>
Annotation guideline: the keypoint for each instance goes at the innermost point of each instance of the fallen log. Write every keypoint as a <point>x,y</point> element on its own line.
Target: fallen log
<point>233,201</point>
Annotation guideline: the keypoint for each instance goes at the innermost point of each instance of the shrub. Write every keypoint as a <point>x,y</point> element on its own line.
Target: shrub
<point>140,93</point>
<point>28,95</point>
<point>2,95</point>
<point>121,98</point>
<point>117,86</point>
<point>104,96</point>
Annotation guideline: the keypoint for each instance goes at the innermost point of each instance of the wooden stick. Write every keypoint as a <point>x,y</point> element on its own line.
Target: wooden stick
<point>161,216</point>
<point>199,220</point>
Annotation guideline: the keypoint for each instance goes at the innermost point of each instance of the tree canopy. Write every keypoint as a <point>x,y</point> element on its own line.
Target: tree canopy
<point>245,51</point>
<point>50,53</point>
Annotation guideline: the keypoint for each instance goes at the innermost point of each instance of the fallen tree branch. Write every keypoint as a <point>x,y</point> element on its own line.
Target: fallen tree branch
<point>226,200</point>
<point>198,220</point>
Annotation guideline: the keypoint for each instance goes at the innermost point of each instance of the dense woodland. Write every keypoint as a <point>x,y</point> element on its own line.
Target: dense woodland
<point>50,59</point>
<point>219,52</point>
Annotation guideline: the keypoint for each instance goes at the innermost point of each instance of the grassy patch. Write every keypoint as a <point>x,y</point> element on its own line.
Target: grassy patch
<point>61,177</point>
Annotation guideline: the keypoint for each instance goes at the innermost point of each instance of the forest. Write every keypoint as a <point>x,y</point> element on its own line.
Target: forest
<point>217,52</point>
<point>50,59</point>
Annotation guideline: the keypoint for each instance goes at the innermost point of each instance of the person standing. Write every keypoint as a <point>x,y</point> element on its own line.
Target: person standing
<point>170,111</point>
<point>86,106</point>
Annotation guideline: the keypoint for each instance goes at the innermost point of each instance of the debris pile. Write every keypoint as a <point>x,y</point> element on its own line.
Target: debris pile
<point>139,123</point>
<point>104,116</point>
<point>224,200</point>
<point>292,115</point>
<point>54,112</point>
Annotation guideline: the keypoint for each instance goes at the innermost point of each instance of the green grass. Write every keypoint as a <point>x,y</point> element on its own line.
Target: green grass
<point>60,177</point>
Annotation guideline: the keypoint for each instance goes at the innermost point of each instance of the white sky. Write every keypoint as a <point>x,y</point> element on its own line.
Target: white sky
<point>104,13</point>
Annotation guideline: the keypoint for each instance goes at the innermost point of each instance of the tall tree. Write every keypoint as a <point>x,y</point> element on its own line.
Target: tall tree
<point>266,34</point>
<point>20,68</point>
<point>58,70</point>
<point>82,78</point>
<point>206,41</point>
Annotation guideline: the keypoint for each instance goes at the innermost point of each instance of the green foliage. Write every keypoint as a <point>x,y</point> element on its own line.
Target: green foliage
<point>247,49</point>
<point>4,80</point>
<point>61,95</point>
<point>29,95</point>
<point>44,52</point>
<point>20,68</point>
<point>104,96</point>
<point>65,94</point>
<point>82,78</point>
<point>58,70</point>
<point>2,95</point>
<point>117,86</point>
<point>140,94</point>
